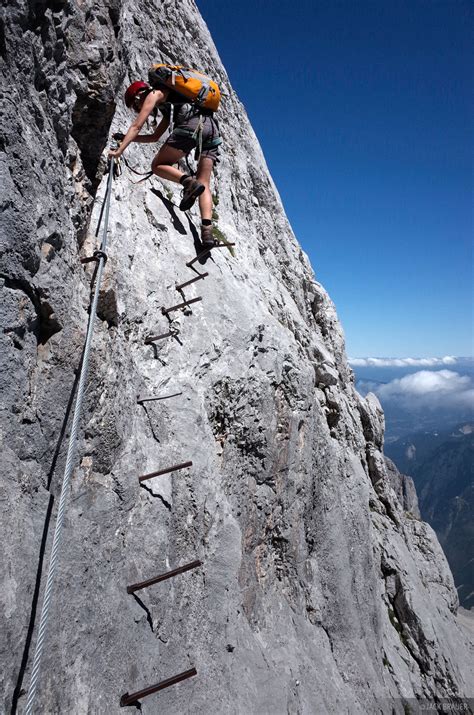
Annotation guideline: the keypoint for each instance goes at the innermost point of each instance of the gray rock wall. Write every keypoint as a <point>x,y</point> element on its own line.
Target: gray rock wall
<point>320,591</point>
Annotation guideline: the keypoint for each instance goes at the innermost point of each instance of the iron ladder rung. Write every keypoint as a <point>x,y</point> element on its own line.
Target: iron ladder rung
<point>163,577</point>
<point>167,470</point>
<point>129,699</point>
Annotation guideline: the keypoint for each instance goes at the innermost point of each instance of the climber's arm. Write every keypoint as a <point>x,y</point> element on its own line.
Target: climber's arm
<point>159,131</point>
<point>154,98</point>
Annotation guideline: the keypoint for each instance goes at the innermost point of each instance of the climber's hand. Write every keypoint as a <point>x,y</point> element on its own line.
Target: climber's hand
<point>114,153</point>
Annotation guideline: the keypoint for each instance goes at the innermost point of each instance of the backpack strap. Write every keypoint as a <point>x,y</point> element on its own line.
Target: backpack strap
<point>197,136</point>
<point>174,108</point>
<point>190,133</point>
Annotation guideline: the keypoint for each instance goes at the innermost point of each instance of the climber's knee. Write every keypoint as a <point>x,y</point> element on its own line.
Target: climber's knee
<point>158,163</point>
<point>167,156</point>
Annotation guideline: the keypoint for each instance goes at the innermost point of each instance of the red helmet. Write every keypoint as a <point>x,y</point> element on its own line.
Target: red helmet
<point>134,91</point>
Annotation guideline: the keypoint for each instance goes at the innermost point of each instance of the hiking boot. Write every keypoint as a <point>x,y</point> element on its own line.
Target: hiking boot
<point>191,190</point>
<point>207,239</point>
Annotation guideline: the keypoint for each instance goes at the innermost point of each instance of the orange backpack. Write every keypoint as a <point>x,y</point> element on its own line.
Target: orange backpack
<point>193,85</point>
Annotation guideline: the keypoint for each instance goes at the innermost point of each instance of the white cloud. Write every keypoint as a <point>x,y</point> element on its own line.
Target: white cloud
<point>402,362</point>
<point>432,387</point>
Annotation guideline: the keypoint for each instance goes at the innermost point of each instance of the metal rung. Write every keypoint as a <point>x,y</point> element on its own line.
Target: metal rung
<point>162,577</point>
<point>193,268</point>
<point>165,311</point>
<point>193,280</point>
<point>141,400</point>
<point>207,251</point>
<point>127,699</point>
<point>171,334</point>
<point>165,471</point>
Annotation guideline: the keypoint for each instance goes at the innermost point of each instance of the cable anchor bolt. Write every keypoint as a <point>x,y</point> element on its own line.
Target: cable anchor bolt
<point>96,256</point>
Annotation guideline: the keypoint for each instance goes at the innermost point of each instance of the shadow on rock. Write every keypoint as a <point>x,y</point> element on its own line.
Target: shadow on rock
<point>170,207</point>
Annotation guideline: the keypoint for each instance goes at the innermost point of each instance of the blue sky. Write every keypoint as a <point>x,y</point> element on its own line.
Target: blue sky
<point>363,109</point>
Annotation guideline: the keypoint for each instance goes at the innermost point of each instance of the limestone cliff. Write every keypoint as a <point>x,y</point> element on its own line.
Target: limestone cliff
<point>320,591</point>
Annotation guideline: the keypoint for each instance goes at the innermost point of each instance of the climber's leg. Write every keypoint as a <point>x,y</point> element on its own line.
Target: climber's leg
<point>204,171</point>
<point>161,166</point>
<point>162,163</point>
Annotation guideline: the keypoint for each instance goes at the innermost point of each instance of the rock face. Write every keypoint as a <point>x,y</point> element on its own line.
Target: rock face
<point>404,488</point>
<point>320,590</point>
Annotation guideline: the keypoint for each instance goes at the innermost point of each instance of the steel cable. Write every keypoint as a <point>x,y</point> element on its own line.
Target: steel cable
<point>48,592</point>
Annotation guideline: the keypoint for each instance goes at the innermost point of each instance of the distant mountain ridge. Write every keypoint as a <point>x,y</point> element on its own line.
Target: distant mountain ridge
<point>442,467</point>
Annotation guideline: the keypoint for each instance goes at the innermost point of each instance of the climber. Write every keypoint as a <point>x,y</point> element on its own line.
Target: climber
<point>193,127</point>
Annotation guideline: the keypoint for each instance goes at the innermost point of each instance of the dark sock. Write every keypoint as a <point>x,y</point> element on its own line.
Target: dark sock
<point>206,222</point>
<point>184,178</point>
